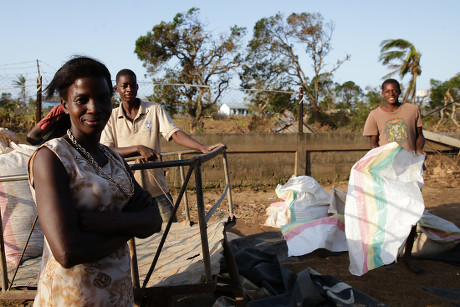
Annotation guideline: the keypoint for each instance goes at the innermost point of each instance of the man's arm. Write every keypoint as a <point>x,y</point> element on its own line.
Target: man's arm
<point>34,136</point>
<point>186,140</point>
<point>374,141</point>
<point>419,141</point>
<point>138,150</point>
<point>108,138</point>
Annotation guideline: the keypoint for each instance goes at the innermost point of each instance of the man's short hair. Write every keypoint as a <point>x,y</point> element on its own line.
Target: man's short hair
<point>125,72</point>
<point>394,81</point>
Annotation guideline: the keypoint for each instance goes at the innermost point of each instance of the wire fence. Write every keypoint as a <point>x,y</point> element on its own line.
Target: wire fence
<point>18,82</point>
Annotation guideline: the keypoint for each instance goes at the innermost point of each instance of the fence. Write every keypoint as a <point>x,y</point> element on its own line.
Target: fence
<point>19,84</point>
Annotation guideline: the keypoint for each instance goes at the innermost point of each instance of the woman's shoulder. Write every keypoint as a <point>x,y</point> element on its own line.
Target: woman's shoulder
<point>61,148</point>
<point>56,143</point>
<point>52,152</point>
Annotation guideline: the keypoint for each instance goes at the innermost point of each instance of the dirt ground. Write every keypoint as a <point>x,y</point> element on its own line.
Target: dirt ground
<point>393,284</point>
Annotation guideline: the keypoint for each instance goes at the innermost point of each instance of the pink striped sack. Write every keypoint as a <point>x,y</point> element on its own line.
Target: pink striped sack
<point>383,202</point>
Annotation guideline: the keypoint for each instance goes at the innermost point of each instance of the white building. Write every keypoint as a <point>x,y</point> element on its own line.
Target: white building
<point>234,108</point>
<point>422,93</point>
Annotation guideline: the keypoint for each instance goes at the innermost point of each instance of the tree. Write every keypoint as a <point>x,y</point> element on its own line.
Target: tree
<point>448,94</point>
<point>407,60</point>
<point>7,107</point>
<point>269,92</point>
<point>274,43</point>
<point>168,93</point>
<point>327,94</point>
<point>373,97</point>
<point>188,54</point>
<point>349,92</point>
<point>439,90</point>
<point>21,83</point>
<point>5,99</point>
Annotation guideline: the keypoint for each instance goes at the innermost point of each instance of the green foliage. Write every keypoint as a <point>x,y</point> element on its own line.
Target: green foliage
<point>273,59</point>
<point>32,102</point>
<point>358,117</point>
<point>402,57</point>
<point>171,96</point>
<point>5,99</point>
<point>21,83</point>
<point>343,119</point>
<point>349,93</point>
<point>188,54</point>
<point>116,101</point>
<point>439,90</point>
<point>373,97</point>
<point>262,76</point>
<point>329,119</point>
<point>327,97</point>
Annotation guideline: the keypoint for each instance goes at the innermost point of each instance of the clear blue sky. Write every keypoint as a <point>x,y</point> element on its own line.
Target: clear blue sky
<point>52,31</point>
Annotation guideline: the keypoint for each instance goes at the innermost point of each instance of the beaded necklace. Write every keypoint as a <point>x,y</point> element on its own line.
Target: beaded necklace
<point>96,166</point>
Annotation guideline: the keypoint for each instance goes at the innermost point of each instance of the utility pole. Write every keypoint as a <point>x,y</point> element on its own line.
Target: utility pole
<point>300,110</point>
<point>38,115</point>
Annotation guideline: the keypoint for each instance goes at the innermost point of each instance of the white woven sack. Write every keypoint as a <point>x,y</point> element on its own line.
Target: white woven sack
<point>17,206</point>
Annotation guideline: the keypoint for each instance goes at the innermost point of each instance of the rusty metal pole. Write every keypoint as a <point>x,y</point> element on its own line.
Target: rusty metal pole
<point>202,223</point>
<point>227,181</point>
<point>3,266</point>
<point>298,155</point>
<point>182,177</point>
<point>38,113</point>
<point>134,264</point>
<point>300,110</point>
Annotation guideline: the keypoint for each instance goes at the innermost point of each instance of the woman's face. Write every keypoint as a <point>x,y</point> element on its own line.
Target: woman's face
<point>89,105</point>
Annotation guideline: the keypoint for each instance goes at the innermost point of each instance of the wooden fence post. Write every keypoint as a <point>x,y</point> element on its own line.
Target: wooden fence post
<point>300,110</point>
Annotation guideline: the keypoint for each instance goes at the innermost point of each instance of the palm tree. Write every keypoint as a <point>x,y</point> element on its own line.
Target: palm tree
<point>21,83</point>
<point>402,51</point>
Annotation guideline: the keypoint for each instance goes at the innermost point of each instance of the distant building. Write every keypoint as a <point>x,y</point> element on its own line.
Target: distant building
<point>234,108</point>
<point>49,104</point>
<point>422,93</point>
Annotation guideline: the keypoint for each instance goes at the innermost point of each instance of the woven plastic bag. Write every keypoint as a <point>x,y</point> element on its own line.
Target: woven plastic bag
<point>383,202</point>
<point>18,207</point>
<point>305,198</point>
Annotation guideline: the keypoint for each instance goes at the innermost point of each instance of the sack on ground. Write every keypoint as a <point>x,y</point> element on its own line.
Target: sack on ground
<point>17,206</point>
<point>435,236</point>
<point>305,198</point>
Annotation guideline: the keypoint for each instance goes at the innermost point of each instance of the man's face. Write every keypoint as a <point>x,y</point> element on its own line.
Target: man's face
<point>391,93</point>
<point>127,88</point>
